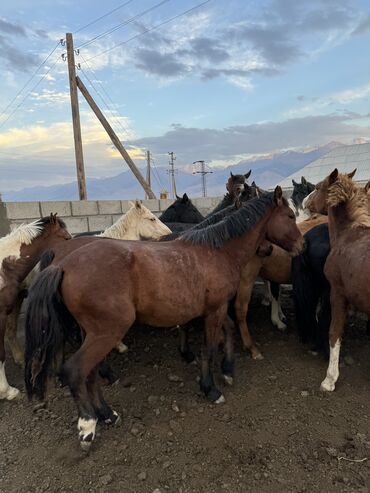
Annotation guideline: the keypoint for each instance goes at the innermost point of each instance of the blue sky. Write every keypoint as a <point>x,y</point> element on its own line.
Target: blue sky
<point>226,81</point>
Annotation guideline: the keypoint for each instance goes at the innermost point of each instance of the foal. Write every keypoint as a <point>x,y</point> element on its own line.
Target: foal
<point>20,251</point>
<point>106,286</point>
<point>348,265</point>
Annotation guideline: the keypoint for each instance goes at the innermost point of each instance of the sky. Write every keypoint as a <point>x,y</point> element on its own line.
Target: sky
<point>214,80</point>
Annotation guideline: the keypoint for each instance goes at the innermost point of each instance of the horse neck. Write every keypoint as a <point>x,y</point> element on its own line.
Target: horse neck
<point>346,215</point>
<point>240,250</point>
<point>30,255</point>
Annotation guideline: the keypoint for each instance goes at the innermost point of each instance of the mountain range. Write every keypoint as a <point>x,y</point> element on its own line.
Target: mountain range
<point>266,172</point>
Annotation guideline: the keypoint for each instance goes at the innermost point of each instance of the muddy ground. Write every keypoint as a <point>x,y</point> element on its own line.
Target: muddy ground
<point>276,432</point>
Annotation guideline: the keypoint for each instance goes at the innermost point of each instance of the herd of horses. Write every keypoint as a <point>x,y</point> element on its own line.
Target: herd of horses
<point>91,289</point>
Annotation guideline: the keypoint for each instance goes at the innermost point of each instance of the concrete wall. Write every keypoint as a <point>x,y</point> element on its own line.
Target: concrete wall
<point>86,215</point>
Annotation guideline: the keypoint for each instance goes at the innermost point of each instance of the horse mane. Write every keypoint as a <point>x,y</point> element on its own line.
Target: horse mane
<point>345,192</point>
<point>24,234</point>
<point>122,225</point>
<point>224,225</point>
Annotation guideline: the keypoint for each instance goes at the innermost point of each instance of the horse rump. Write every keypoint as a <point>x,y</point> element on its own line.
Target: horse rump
<point>47,320</point>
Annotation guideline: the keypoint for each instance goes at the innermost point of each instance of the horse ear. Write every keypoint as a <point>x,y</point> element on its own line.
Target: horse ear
<point>231,175</point>
<point>294,183</point>
<point>333,176</point>
<point>178,197</point>
<point>303,180</point>
<point>247,175</point>
<point>137,204</point>
<point>367,187</point>
<point>52,218</point>
<point>278,195</point>
<point>352,174</point>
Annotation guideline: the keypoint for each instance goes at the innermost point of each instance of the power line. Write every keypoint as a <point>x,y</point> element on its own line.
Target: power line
<point>103,16</point>
<point>150,29</point>
<point>29,92</point>
<point>30,79</point>
<point>123,23</point>
<point>123,128</point>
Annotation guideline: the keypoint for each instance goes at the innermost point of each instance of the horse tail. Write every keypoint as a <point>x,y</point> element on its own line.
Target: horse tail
<point>47,320</point>
<point>46,259</point>
<point>305,297</point>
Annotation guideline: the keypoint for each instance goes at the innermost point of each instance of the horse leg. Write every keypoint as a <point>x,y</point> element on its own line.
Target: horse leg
<point>267,296</point>
<point>228,362</point>
<point>11,332</point>
<point>242,300</point>
<point>276,311</point>
<point>6,391</point>
<point>121,347</point>
<point>106,372</point>
<point>184,348</point>
<point>338,319</point>
<point>76,372</point>
<point>213,335</point>
<point>103,412</point>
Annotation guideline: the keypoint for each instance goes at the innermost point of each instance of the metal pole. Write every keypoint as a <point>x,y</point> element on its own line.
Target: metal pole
<point>148,177</point>
<point>203,174</point>
<point>172,174</point>
<point>76,118</point>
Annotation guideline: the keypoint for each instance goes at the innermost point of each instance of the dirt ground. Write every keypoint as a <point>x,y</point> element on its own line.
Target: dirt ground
<point>276,432</point>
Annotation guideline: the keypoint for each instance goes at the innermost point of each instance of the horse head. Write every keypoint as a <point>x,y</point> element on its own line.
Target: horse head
<point>146,224</point>
<point>282,228</point>
<point>182,211</point>
<point>236,184</point>
<point>300,192</point>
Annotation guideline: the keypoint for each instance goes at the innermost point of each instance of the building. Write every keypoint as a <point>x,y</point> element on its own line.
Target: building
<point>345,158</point>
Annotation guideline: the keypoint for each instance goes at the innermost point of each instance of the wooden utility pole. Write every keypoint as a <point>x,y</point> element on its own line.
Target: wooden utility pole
<point>148,177</point>
<point>114,138</point>
<point>76,118</point>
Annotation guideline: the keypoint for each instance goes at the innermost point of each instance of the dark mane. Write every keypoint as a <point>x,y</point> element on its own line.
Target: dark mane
<point>44,221</point>
<point>224,226</point>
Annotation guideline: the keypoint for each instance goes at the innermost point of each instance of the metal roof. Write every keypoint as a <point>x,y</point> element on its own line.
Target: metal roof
<point>345,158</point>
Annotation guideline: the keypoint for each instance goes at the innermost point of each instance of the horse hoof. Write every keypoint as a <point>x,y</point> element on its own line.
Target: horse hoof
<point>85,446</point>
<point>188,356</point>
<point>281,326</point>
<point>265,302</point>
<point>257,356</point>
<point>220,400</point>
<point>114,420</point>
<point>229,380</point>
<point>121,348</point>
<point>327,386</point>
<point>10,394</point>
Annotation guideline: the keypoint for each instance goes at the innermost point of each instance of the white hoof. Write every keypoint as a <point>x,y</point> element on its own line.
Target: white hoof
<point>258,357</point>
<point>121,348</point>
<point>280,325</point>
<point>228,380</point>
<point>220,400</point>
<point>10,394</point>
<point>327,385</point>
<point>265,302</point>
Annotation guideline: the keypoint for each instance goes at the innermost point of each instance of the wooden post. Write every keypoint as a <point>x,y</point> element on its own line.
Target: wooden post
<point>76,118</point>
<point>115,139</point>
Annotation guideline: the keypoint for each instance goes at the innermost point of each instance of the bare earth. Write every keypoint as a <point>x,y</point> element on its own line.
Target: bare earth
<point>276,432</point>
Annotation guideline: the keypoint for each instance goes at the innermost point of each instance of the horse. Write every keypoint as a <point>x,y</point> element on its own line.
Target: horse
<point>181,215</point>
<point>300,192</point>
<point>311,289</point>
<point>20,251</point>
<point>347,267</point>
<point>138,223</point>
<point>106,287</point>
<point>238,191</point>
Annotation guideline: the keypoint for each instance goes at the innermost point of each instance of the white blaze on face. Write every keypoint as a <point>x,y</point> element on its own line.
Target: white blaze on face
<point>332,373</point>
<point>6,391</point>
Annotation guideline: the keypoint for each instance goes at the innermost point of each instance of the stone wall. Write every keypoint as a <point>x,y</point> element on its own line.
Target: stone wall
<point>85,215</point>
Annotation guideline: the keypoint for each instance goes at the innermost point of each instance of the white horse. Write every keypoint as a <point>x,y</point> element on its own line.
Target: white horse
<point>138,223</point>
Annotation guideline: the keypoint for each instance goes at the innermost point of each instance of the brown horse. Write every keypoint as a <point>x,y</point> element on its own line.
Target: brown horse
<point>106,286</point>
<point>276,268</point>
<point>348,265</point>
<point>20,251</point>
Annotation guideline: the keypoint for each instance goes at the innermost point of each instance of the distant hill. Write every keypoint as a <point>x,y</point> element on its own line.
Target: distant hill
<point>266,172</point>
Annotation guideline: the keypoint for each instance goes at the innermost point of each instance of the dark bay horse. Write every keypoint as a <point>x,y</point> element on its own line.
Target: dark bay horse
<point>348,264</point>
<point>181,215</point>
<point>106,286</point>
<point>20,251</point>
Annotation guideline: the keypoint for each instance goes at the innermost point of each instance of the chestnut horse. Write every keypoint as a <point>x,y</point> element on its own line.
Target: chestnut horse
<point>105,287</point>
<point>347,267</point>
<point>20,251</point>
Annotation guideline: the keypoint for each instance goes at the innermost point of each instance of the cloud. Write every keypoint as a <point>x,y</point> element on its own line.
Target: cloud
<point>163,64</point>
<point>11,28</point>
<point>16,59</point>
<point>227,143</point>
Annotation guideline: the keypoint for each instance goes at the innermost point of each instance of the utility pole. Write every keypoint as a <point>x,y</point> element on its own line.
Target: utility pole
<point>172,174</point>
<point>76,118</point>
<point>203,174</point>
<point>148,178</point>
<point>114,138</point>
